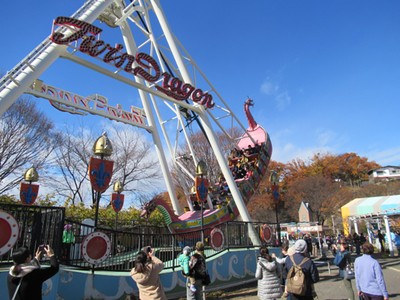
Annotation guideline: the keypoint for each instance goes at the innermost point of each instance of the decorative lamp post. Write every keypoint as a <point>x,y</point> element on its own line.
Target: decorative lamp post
<point>274,179</point>
<point>117,199</point>
<point>201,185</point>
<point>28,191</point>
<point>100,171</point>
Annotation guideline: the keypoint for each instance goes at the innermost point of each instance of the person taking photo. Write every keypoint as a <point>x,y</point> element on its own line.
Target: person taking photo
<point>26,276</point>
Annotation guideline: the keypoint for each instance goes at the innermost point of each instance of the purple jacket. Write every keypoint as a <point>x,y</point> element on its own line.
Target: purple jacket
<point>369,276</point>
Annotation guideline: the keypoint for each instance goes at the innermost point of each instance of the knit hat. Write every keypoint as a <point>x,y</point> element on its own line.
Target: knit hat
<point>67,226</point>
<point>300,246</point>
<point>186,250</point>
<point>199,246</point>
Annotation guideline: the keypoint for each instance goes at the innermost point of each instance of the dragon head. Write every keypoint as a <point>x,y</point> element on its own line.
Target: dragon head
<point>249,102</point>
<point>150,206</point>
<point>147,209</point>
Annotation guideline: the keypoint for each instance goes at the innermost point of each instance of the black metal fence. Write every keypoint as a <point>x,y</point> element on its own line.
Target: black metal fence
<point>40,225</point>
<point>37,225</point>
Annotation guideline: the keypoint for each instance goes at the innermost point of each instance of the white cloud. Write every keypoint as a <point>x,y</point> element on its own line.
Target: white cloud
<point>385,157</point>
<point>285,149</point>
<point>287,152</point>
<point>325,137</point>
<point>269,88</point>
<point>281,98</point>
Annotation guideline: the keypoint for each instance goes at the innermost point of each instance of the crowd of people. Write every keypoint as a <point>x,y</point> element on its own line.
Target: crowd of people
<point>277,276</point>
<point>365,270</point>
<point>242,163</point>
<point>292,275</point>
<point>146,273</point>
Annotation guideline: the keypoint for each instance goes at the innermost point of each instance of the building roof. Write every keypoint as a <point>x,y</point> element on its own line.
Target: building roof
<point>372,206</point>
<point>383,168</point>
<point>306,205</point>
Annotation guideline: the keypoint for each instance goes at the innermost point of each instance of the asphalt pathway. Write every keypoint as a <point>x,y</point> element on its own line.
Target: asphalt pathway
<point>330,286</point>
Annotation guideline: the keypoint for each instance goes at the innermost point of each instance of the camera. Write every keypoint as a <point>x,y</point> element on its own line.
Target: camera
<point>41,248</point>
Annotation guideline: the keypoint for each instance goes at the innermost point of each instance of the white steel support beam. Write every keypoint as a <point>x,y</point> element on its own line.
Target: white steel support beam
<point>131,49</point>
<point>237,196</point>
<point>207,127</point>
<point>389,238</point>
<point>17,81</point>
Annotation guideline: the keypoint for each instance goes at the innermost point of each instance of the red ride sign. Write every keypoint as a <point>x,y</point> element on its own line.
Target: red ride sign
<point>100,173</point>
<point>117,201</point>
<point>201,185</point>
<point>28,193</point>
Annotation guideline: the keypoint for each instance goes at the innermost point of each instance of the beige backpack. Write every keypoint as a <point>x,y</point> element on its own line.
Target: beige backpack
<point>296,279</point>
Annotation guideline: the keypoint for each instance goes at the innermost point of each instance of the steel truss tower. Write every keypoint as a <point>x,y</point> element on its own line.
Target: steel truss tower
<point>173,90</point>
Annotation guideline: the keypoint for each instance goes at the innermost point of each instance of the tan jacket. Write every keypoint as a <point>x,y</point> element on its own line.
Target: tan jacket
<point>149,283</point>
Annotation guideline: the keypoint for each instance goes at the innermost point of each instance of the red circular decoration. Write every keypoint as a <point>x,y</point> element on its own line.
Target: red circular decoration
<point>96,247</point>
<point>217,239</point>
<point>9,232</point>
<point>266,233</point>
<point>5,232</point>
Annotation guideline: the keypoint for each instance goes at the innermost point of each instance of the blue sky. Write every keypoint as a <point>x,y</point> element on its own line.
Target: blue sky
<point>324,75</point>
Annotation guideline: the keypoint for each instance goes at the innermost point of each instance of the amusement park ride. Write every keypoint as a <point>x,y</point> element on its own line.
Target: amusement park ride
<point>173,91</point>
<point>259,159</point>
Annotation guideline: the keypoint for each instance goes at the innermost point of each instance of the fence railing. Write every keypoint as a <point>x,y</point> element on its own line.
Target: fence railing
<point>40,225</point>
<point>37,225</point>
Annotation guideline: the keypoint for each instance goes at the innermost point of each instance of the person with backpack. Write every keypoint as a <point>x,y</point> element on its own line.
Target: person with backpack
<point>198,270</point>
<point>301,273</point>
<point>269,286</point>
<point>343,261</point>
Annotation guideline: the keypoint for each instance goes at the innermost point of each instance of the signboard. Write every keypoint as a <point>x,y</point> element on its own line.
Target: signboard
<point>86,37</point>
<point>201,185</point>
<point>28,193</point>
<point>304,228</point>
<point>100,173</point>
<point>117,201</point>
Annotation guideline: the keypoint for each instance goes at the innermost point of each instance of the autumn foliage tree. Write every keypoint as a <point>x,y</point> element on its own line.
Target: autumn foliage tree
<point>317,190</point>
<point>326,182</point>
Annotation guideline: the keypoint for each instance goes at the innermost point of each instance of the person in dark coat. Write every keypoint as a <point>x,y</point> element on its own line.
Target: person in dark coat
<point>381,239</point>
<point>199,265</point>
<point>309,269</point>
<point>308,240</point>
<point>27,276</point>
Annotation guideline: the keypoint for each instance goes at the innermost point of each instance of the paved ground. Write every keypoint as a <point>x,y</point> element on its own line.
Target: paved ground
<point>329,287</point>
